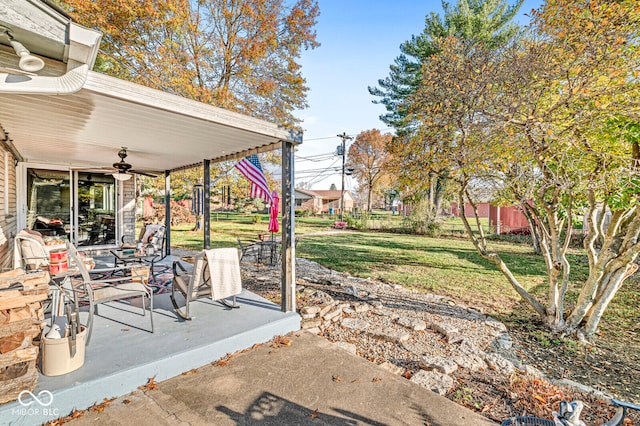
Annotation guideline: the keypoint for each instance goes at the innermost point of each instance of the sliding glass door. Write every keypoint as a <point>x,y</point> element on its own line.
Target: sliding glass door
<point>78,205</point>
<point>96,204</point>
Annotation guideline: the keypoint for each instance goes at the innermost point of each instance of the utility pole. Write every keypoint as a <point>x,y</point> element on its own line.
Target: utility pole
<point>344,138</point>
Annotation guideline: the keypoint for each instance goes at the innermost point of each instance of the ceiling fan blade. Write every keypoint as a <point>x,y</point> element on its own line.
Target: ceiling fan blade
<point>143,173</point>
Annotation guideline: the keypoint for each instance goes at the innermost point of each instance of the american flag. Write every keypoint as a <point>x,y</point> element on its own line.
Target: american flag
<point>251,169</point>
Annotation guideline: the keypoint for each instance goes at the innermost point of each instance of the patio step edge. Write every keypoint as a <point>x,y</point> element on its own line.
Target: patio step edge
<point>84,395</point>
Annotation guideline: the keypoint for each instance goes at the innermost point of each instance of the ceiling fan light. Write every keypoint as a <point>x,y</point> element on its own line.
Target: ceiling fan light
<point>121,176</point>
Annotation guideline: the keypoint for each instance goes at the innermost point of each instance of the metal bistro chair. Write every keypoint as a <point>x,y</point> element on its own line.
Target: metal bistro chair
<point>108,289</point>
<point>249,249</point>
<point>216,273</point>
<point>150,235</point>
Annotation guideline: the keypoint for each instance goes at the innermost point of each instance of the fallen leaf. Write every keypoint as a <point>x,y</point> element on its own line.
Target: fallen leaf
<point>314,415</point>
<point>336,379</point>
<point>355,381</point>
<point>222,362</point>
<point>376,379</point>
<point>126,401</point>
<point>190,372</point>
<point>539,398</point>
<point>75,414</point>
<point>281,341</point>
<point>151,385</point>
<point>99,408</point>
<point>407,374</point>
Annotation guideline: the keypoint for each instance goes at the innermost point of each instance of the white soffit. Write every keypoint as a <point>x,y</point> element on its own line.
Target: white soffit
<point>160,130</point>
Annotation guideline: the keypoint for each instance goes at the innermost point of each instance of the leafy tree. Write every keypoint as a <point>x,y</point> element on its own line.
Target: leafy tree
<point>333,187</point>
<point>236,54</point>
<point>369,160</point>
<point>551,123</point>
<point>486,21</point>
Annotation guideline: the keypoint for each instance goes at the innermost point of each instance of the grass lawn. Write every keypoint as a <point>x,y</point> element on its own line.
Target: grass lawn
<point>226,228</point>
<point>446,266</point>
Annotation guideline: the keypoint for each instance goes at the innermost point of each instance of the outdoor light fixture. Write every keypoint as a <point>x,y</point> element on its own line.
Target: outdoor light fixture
<point>27,62</point>
<point>121,176</point>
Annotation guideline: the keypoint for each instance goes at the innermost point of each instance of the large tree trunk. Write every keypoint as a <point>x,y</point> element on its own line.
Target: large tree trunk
<point>609,267</point>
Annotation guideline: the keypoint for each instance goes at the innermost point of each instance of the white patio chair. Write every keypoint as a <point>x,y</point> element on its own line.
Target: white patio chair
<point>29,251</point>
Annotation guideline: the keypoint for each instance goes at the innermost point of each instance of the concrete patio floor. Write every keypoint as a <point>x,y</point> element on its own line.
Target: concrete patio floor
<point>123,354</point>
<point>308,381</point>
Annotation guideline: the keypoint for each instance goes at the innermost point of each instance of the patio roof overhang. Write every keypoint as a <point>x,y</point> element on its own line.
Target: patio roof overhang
<point>161,131</point>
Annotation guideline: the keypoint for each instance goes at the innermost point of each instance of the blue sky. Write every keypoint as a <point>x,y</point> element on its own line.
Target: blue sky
<point>359,41</point>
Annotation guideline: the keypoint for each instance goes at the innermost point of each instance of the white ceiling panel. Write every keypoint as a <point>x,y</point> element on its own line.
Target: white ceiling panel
<point>161,131</point>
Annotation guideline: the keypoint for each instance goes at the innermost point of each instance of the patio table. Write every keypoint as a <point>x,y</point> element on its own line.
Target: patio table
<point>127,258</point>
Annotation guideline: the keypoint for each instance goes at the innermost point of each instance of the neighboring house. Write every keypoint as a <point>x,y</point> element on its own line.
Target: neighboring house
<point>307,200</point>
<point>321,201</point>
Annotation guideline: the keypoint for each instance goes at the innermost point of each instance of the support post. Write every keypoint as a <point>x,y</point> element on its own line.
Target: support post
<point>206,208</point>
<point>167,211</point>
<point>344,138</point>
<point>288,276</point>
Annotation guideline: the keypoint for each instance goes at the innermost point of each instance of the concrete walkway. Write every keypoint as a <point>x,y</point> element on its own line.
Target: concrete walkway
<point>308,381</point>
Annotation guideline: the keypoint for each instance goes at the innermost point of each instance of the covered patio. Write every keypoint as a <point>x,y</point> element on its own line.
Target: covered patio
<point>124,355</point>
<point>68,118</point>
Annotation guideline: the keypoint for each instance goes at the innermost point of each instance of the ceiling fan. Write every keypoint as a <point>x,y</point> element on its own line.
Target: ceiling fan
<point>124,169</point>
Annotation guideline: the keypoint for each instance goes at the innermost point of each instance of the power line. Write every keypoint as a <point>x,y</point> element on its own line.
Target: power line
<point>332,137</point>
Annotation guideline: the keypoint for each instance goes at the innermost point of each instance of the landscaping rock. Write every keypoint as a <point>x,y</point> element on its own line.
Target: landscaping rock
<point>436,382</point>
<point>444,329</point>
<point>453,338</point>
<point>333,313</point>
<point>384,312</point>
<point>389,335</point>
<point>471,362</point>
<point>439,363</point>
<point>412,323</point>
<point>305,324</point>
<point>360,307</point>
<point>499,363</point>
<point>325,309</point>
<point>310,310</point>
<point>504,341</point>
<point>354,324</point>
